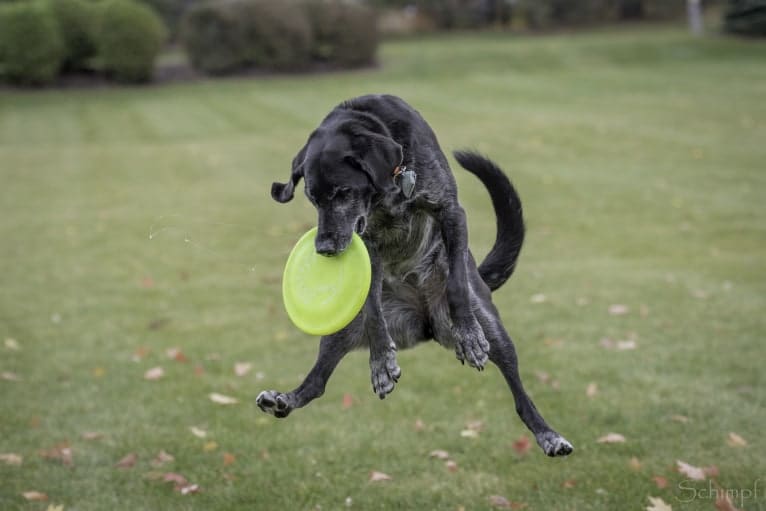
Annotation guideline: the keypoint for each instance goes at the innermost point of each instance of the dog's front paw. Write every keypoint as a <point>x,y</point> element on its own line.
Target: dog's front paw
<point>274,403</point>
<point>554,444</point>
<point>471,346</point>
<point>385,372</point>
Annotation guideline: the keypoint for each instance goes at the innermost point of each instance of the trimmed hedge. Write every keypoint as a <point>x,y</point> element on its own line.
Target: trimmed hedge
<point>128,40</point>
<point>77,20</point>
<point>745,17</point>
<point>225,37</point>
<point>344,34</point>
<point>31,48</point>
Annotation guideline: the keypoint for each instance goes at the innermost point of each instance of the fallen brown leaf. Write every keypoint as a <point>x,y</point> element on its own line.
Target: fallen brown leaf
<point>223,400</point>
<point>210,446</point>
<point>242,368</point>
<point>189,489</point>
<point>591,390</point>
<point>569,483</point>
<point>499,501</point>
<point>348,401</point>
<point>155,373</point>
<point>12,344</point>
<point>60,452</point>
<point>439,454</point>
<point>451,465</point>
<point>198,432</point>
<point>522,445</point>
<point>147,282</point>
<point>92,435</point>
<point>228,459</point>
<point>734,440</point>
<point>162,458</point>
<point>660,481</point>
<point>127,461</point>
<point>634,463</point>
<point>34,495</point>
<point>690,471</point>
<point>657,504</point>
<point>683,419</point>
<point>723,501</point>
<point>9,376</point>
<point>611,438</point>
<point>419,425</point>
<point>11,458</point>
<point>618,309</point>
<point>376,477</point>
<point>177,479</point>
<point>176,354</point>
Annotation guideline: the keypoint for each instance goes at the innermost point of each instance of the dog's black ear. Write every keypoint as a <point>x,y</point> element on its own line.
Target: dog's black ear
<point>283,192</point>
<point>378,156</point>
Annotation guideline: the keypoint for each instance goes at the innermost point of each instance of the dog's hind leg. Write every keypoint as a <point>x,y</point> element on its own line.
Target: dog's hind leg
<point>332,348</point>
<point>503,354</point>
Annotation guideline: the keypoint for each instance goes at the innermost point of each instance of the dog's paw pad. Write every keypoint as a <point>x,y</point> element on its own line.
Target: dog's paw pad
<point>554,444</point>
<point>274,403</point>
<point>384,373</point>
<point>471,346</point>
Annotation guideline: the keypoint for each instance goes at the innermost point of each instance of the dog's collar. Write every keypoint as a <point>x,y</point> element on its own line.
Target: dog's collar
<point>405,179</point>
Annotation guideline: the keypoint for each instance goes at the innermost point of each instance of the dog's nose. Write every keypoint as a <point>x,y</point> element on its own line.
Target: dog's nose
<point>326,246</point>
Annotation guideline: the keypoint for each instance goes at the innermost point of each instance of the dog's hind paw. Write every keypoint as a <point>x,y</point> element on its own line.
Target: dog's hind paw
<point>274,403</point>
<point>384,372</point>
<point>471,346</point>
<point>554,444</point>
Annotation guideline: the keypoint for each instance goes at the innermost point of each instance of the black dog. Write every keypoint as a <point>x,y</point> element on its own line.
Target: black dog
<point>374,166</point>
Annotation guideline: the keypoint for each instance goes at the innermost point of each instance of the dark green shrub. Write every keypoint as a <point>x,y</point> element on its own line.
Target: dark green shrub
<point>171,12</point>
<point>344,34</point>
<point>278,34</point>
<point>212,34</point>
<point>222,37</point>
<point>31,49</point>
<point>77,21</point>
<point>745,17</point>
<point>128,39</point>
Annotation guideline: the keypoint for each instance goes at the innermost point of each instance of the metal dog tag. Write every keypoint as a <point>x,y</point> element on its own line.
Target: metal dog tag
<point>407,182</point>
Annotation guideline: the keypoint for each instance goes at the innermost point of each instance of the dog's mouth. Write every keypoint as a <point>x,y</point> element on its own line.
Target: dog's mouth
<point>361,225</point>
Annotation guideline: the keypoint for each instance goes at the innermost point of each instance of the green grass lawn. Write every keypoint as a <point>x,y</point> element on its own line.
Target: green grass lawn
<point>137,220</point>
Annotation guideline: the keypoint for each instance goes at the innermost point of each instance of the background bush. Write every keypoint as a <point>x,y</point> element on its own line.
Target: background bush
<point>223,37</point>
<point>278,34</point>
<point>129,38</point>
<point>77,21</point>
<point>211,33</point>
<point>31,48</point>
<point>344,34</point>
<point>746,17</point>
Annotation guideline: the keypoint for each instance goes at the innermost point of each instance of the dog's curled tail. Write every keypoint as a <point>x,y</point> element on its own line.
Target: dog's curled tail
<point>499,264</point>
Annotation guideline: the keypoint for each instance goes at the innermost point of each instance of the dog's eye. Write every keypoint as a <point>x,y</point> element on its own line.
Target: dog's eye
<point>343,191</point>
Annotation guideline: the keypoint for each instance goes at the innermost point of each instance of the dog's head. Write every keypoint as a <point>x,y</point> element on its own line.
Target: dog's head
<point>344,169</point>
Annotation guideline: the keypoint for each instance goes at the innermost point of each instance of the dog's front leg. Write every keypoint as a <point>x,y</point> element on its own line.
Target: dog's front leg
<point>384,371</point>
<point>332,348</point>
<point>470,342</point>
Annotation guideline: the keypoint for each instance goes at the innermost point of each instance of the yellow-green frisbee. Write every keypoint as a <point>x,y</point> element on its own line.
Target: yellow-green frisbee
<point>323,294</point>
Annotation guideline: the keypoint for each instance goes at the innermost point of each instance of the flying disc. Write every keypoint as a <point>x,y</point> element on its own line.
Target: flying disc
<point>324,294</point>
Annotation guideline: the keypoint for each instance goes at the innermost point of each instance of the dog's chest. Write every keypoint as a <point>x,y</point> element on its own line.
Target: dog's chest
<point>411,250</point>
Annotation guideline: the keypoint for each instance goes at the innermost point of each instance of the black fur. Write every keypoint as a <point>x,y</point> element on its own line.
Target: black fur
<point>425,282</point>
